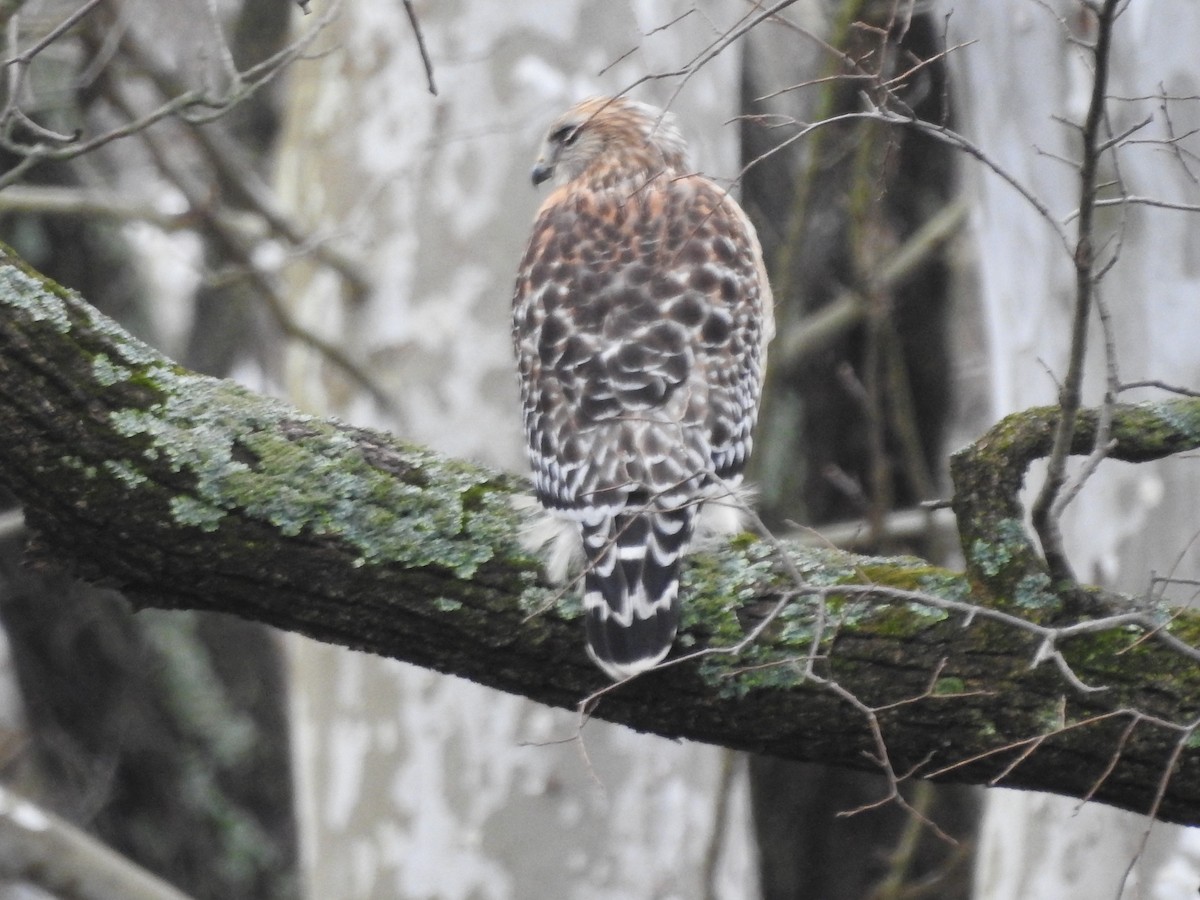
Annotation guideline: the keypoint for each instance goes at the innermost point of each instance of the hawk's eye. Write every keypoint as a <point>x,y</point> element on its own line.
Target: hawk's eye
<point>565,135</point>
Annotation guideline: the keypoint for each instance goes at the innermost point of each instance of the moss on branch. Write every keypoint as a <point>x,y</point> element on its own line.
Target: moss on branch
<point>191,492</point>
<point>988,476</point>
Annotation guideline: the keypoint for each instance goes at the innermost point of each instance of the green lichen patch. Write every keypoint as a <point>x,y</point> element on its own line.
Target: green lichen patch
<point>22,289</point>
<point>899,620</point>
<point>896,617</point>
<point>714,586</point>
<point>133,352</point>
<point>124,473</point>
<point>42,300</point>
<point>801,618</point>
<point>1180,418</point>
<point>1033,593</point>
<point>820,566</point>
<point>300,474</point>
<point>190,511</point>
<point>808,621</point>
<point>945,584</point>
<point>108,373</point>
<point>991,556</point>
<point>783,672</point>
<point>1186,628</point>
<point>758,586</point>
<point>536,599</point>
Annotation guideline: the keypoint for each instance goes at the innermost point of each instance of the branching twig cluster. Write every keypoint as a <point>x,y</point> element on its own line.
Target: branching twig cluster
<point>227,202</point>
<point>1051,500</point>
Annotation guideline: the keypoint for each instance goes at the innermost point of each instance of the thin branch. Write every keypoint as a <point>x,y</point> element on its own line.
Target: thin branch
<point>815,331</point>
<point>882,758</point>
<point>1138,200</point>
<point>1161,385</point>
<point>40,847</point>
<point>426,61</point>
<point>187,105</point>
<point>53,34</point>
<point>1047,524</point>
<point>1117,139</point>
<point>685,73</point>
<point>224,51</point>
<point>234,243</point>
<point>1103,443</point>
<point>53,200</point>
<point>236,172</point>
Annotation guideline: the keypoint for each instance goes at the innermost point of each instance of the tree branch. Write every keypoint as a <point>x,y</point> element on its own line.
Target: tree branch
<point>191,492</point>
<point>39,847</point>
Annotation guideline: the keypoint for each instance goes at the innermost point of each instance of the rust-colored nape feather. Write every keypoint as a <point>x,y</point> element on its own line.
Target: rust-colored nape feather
<point>611,141</point>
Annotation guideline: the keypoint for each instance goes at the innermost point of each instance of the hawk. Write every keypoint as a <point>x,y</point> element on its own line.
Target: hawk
<point>640,320</point>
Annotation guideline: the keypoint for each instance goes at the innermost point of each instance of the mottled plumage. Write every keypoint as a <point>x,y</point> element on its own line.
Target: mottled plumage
<point>640,319</point>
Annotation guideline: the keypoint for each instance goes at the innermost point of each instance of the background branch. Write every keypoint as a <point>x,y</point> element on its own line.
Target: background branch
<point>39,847</point>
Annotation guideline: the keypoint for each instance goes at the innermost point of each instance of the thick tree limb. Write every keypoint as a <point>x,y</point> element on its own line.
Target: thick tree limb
<point>190,492</point>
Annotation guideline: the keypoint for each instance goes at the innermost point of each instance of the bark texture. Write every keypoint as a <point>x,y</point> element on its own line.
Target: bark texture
<point>191,492</point>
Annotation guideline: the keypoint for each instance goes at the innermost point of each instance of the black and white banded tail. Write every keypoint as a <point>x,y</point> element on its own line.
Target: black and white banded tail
<point>631,586</point>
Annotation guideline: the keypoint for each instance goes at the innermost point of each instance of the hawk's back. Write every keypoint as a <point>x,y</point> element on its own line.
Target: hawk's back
<point>640,319</point>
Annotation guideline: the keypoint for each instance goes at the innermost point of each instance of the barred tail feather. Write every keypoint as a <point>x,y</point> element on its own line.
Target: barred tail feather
<point>631,587</point>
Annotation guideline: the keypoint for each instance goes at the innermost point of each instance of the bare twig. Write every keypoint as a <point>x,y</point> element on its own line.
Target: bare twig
<point>53,34</point>
<point>1137,200</point>
<point>237,173</point>
<point>197,105</point>
<point>1045,521</point>
<point>1103,443</point>
<point>419,35</point>
<point>233,242</point>
<point>883,760</point>
<point>18,62</point>
<point>1161,385</point>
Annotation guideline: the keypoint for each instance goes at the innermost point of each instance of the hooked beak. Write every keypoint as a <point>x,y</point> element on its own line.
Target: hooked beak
<point>541,171</point>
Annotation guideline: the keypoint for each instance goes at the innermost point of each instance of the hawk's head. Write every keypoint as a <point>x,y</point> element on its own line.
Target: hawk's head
<point>611,139</point>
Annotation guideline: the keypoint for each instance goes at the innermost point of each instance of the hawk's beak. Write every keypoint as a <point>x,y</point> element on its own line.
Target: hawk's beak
<point>542,171</point>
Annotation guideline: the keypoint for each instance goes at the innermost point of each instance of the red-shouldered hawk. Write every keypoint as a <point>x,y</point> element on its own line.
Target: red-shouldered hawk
<point>640,321</point>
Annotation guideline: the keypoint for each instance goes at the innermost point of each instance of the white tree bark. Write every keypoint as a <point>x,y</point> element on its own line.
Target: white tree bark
<point>1131,521</point>
<point>413,784</point>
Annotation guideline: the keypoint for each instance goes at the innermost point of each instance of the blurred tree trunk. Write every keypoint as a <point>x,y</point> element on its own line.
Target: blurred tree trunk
<point>857,398</point>
<point>413,784</point>
<point>1017,81</point>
